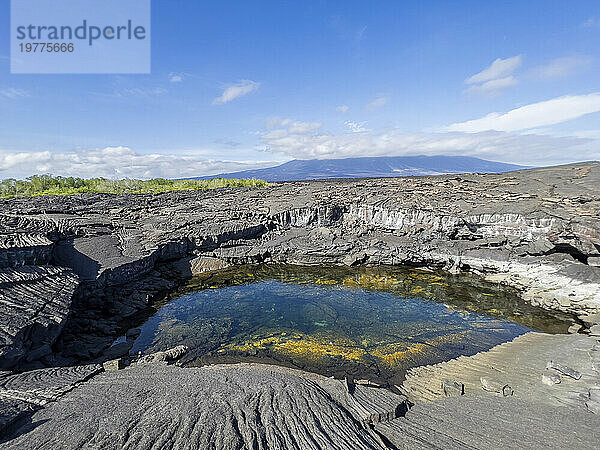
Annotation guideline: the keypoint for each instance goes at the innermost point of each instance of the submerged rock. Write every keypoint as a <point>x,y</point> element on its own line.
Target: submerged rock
<point>172,354</point>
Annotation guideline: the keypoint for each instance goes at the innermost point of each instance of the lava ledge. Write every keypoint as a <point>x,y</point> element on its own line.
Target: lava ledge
<point>537,230</point>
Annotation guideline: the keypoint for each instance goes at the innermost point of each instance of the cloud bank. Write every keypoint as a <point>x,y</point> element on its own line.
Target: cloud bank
<point>496,136</point>
<point>112,162</point>
<point>529,149</point>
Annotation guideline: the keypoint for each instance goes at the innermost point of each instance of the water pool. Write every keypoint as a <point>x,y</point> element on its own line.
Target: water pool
<point>366,323</point>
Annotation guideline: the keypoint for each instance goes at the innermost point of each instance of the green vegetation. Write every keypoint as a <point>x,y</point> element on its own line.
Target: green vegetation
<point>50,185</point>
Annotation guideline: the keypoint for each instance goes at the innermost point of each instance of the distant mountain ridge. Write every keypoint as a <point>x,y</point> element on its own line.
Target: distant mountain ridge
<point>369,167</point>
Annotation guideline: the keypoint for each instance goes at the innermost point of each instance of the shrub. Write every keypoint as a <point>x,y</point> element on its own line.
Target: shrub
<point>50,185</point>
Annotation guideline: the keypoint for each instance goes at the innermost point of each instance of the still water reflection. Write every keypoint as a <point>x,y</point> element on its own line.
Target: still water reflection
<point>369,323</point>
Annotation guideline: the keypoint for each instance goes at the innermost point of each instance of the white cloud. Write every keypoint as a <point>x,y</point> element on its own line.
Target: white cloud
<point>378,102</point>
<point>500,68</point>
<point>175,77</point>
<point>234,91</point>
<point>527,149</point>
<point>113,162</point>
<point>342,109</point>
<point>13,93</point>
<point>540,114</point>
<point>493,87</point>
<point>356,127</point>
<point>592,22</point>
<point>561,67</point>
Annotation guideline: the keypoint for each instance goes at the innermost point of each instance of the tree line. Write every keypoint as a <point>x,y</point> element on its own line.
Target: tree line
<point>56,185</point>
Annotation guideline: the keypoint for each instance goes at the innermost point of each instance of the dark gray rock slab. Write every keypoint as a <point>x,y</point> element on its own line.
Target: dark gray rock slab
<point>155,405</point>
<point>12,410</point>
<point>34,304</point>
<point>45,385</point>
<point>22,394</point>
<point>23,249</point>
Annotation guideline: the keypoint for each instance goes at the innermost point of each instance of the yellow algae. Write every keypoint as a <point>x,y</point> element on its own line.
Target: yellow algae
<point>371,281</point>
<point>310,347</point>
<point>327,282</point>
<point>254,345</point>
<point>425,277</point>
<point>394,353</point>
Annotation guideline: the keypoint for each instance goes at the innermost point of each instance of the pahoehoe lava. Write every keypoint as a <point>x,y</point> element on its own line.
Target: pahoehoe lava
<point>77,271</point>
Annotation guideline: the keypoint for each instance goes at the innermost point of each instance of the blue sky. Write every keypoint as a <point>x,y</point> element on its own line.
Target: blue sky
<point>239,84</point>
